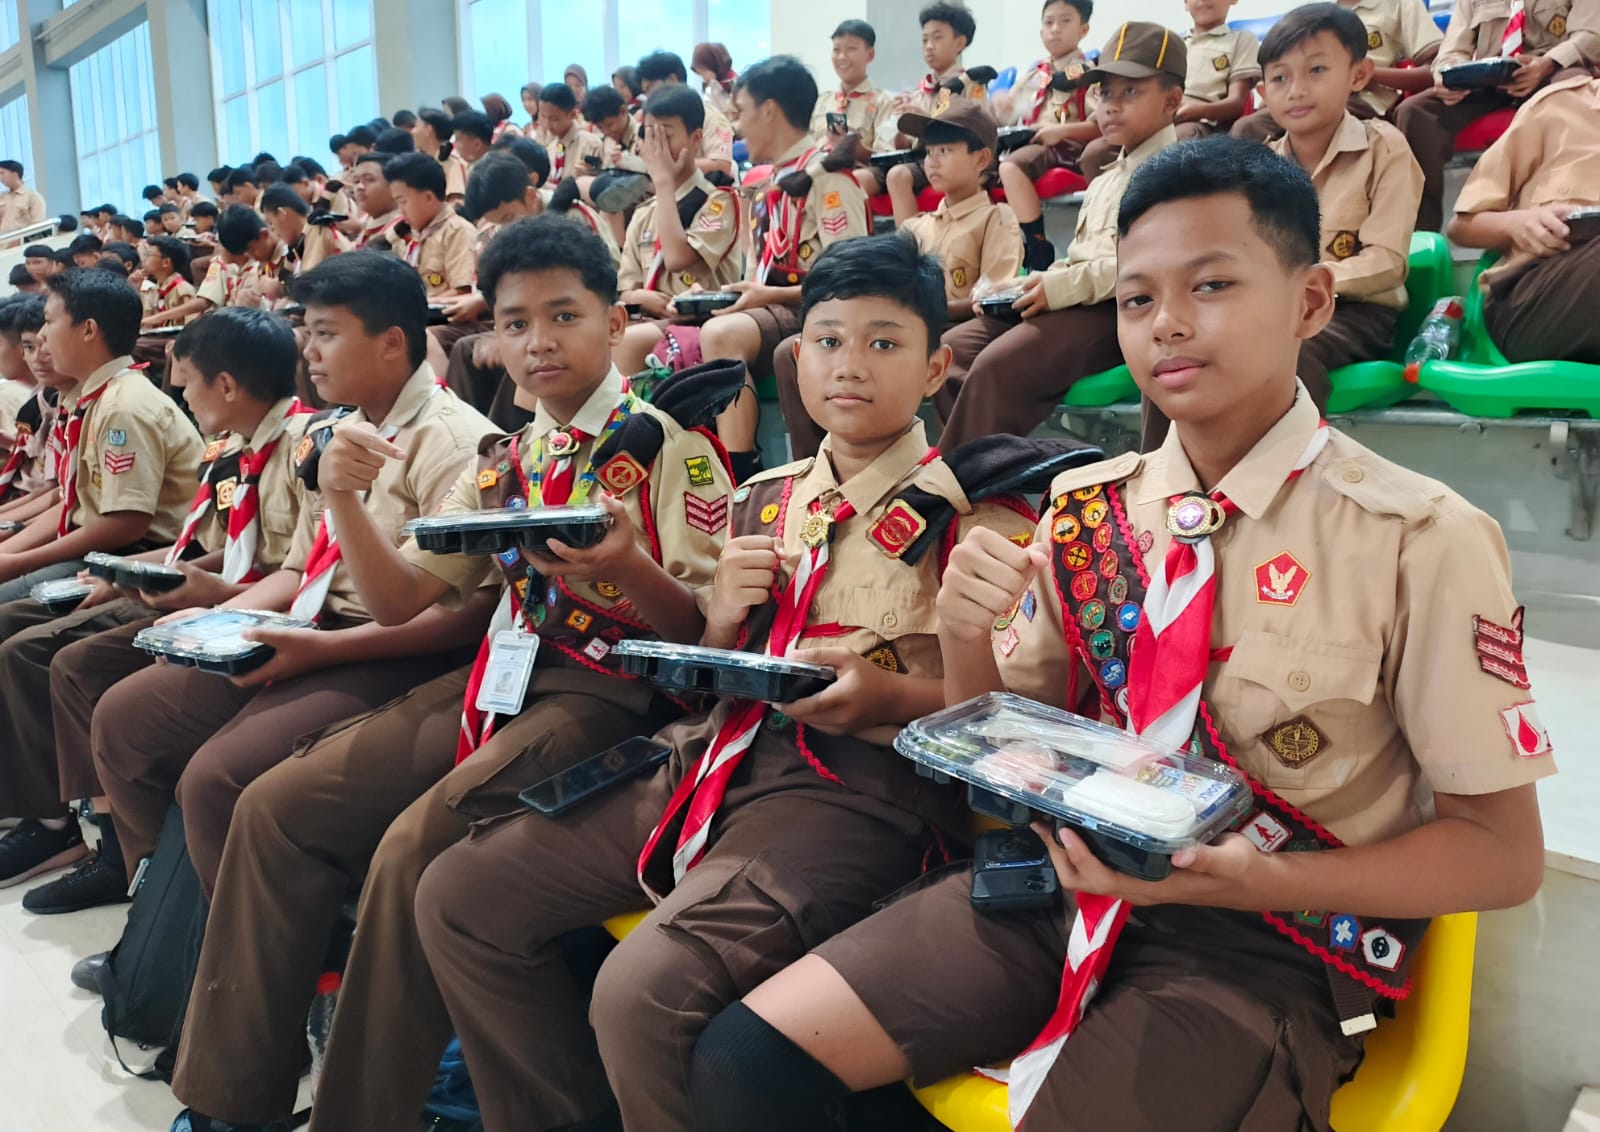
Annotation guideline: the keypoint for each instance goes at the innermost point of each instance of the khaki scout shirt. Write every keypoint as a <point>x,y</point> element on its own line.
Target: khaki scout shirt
<point>447,257</point>
<point>1369,186</point>
<point>439,433</point>
<point>876,598</point>
<point>1059,106</point>
<point>1218,58</point>
<point>157,298</point>
<point>835,209</point>
<point>1397,31</point>
<point>975,239</point>
<point>455,175</point>
<point>1350,599</point>
<point>716,137</point>
<point>221,282</point>
<point>1088,274</point>
<point>13,395</point>
<point>1568,31</point>
<point>21,208</point>
<point>713,234</point>
<point>136,453</point>
<point>567,154</point>
<point>690,534</point>
<point>926,102</point>
<point>624,154</point>
<point>869,113</point>
<point>278,492</point>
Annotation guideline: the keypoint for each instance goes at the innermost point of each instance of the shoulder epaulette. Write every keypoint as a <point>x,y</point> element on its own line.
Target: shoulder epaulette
<point>308,453</point>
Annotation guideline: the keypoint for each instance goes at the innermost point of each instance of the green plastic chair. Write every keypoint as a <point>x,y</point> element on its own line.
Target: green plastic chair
<point>1482,383</point>
<point>1379,384</point>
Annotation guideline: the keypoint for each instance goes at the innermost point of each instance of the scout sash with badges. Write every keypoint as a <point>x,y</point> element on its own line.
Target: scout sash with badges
<point>1109,600</point>
<point>1047,81</point>
<point>620,462</point>
<point>996,469</point>
<point>780,224</point>
<point>29,419</point>
<point>688,210</point>
<point>68,438</point>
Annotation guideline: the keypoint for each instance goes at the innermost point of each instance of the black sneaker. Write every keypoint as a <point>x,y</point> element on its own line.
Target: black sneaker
<point>91,884</point>
<point>617,190</point>
<point>31,849</point>
<point>86,972</point>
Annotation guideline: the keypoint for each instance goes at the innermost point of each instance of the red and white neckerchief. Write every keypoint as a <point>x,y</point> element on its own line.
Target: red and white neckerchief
<point>1167,664</point>
<point>1511,38</point>
<point>1043,74</point>
<point>164,292</point>
<point>843,98</point>
<point>69,430</point>
<point>785,217</point>
<point>928,85</point>
<point>413,253</point>
<point>17,459</point>
<point>371,232</point>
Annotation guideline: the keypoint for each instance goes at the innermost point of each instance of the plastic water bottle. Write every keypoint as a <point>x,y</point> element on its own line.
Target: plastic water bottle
<point>1436,338</point>
<point>320,1021</point>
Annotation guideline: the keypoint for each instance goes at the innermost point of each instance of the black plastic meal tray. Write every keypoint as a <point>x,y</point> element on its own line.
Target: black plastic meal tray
<point>705,302</point>
<point>510,529</point>
<point>120,572</point>
<point>1002,307</point>
<point>731,677</point>
<point>883,162</point>
<point>1481,74</point>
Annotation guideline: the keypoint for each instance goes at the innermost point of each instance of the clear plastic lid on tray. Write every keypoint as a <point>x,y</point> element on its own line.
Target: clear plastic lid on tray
<point>489,532</point>
<point>1083,773</point>
<point>152,577</point>
<point>61,593</point>
<point>723,672</point>
<point>215,637</point>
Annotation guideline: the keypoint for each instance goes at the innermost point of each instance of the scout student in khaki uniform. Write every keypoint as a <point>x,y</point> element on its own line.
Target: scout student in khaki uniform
<point>775,98</point>
<point>573,149</point>
<point>1005,376</point>
<point>169,728</point>
<point>973,239</point>
<point>1538,300</point>
<point>431,135</point>
<point>28,476</point>
<point>1340,692</point>
<point>126,456</point>
<point>379,216</point>
<point>1397,31</point>
<point>869,113</point>
<point>1052,99</point>
<point>20,206</point>
<point>432,237</point>
<point>236,369</point>
<point>244,269</point>
<point>663,68</point>
<point>1554,40</point>
<point>18,386</point>
<point>166,288</point>
<point>807,817</point>
<point>421,764</point>
<point>690,244</point>
<point>607,113</point>
<point>305,244</point>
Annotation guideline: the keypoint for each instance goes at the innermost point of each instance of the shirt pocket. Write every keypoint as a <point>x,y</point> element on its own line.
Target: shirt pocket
<point>960,275</point>
<point>1299,712</point>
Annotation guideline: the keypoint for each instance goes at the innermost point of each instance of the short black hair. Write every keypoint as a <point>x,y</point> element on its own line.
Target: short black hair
<point>785,80</point>
<point>403,119</point>
<point>629,76</point>
<point>29,314</point>
<point>293,174</point>
<point>283,196</point>
<point>267,172</point>
<point>439,121</point>
<point>602,102</point>
<point>337,142</point>
<point>20,276</point>
<point>362,135</point>
<point>889,267</point>
<point>380,290</point>
<point>1300,24</point>
<point>188,181</point>
<point>241,176</point>
<point>534,157</point>
<point>859,29</point>
<point>379,124</point>
<point>11,166</point>
<point>313,168</point>
<point>38,251</point>
<point>677,101</point>
<point>263,156</point>
<point>106,209</point>
<point>499,178</point>
<point>1282,199</point>
<point>170,182</point>
<point>395,142</point>
<point>662,67</point>
<point>175,250</point>
<point>128,223</point>
<point>203,208</point>
<point>959,19</point>
<point>220,175</point>
<point>549,243</point>
<point>169,207</point>
<point>416,171</point>
<point>64,258</point>
<point>152,192</point>
<point>238,226</point>
<point>153,214</point>
<point>1085,8</point>
<point>257,349</point>
<point>475,124</point>
<point>85,242</point>
<point>559,95</point>
<point>114,264</point>
<point>124,251</point>
<point>8,312</point>
<point>107,298</point>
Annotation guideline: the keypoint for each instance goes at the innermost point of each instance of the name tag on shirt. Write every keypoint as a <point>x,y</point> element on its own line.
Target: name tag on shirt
<point>505,681</point>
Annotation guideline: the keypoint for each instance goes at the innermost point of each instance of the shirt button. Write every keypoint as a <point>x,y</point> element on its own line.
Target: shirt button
<point>890,620</point>
<point>1299,681</point>
<point>1353,475</point>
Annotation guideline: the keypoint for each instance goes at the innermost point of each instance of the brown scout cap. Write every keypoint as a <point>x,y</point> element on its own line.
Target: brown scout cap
<point>963,114</point>
<point>1138,51</point>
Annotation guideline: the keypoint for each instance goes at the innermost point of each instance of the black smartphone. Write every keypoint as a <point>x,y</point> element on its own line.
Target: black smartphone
<point>1011,870</point>
<point>326,219</point>
<point>838,123</point>
<point>628,759</point>
<point>1583,224</point>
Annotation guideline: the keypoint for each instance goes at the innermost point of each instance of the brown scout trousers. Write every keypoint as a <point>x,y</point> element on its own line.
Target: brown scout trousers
<point>793,860</point>
<point>376,797</point>
<point>1549,310</point>
<point>1004,377</point>
<point>31,638</point>
<point>168,730</point>
<point>1207,1019</point>
<point>80,674</point>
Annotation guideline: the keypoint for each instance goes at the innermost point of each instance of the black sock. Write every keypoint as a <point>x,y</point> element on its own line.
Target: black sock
<point>746,1075</point>
<point>745,464</point>
<point>110,847</point>
<point>1032,230</point>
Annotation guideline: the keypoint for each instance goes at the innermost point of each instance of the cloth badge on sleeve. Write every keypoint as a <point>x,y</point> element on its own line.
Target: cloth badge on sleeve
<point>1102,538</point>
<point>716,207</point>
<point>116,438</point>
<point>885,658</point>
<point>1084,585</point>
<point>1344,245</point>
<point>596,649</point>
<point>1064,529</point>
<point>1076,556</point>
<point>579,620</point>
<point>959,277</point>
<point>621,474</point>
<point>1030,605</point>
<point>1220,63</point>
<point>897,530</point>
<point>1113,673</point>
<point>1281,580</point>
<point>1500,649</point>
<point>708,515</point>
<point>1344,931</point>
<point>1265,832</point>
<point>435,279</point>
<point>769,514</point>
<point>1374,40</point>
<point>1382,950</point>
<point>1558,26</point>
<point>806,251</point>
<point>1117,589</point>
<point>1094,512</point>
<point>831,201</point>
<point>1092,615</point>
<point>1527,734</point>
<point>487,479</point>
<point>118,463</point>
<point>699,469</point>
<point>1295,742</point>
<point>1009,641</point>
<point>708,221</point>
<point>303,449</point>
<point>833,225</point>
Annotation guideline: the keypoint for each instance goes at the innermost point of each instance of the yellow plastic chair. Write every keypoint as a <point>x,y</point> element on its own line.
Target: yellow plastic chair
<point>1407,1083</point>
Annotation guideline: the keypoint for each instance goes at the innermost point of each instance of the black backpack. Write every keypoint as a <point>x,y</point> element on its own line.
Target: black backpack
<point>146,978</point>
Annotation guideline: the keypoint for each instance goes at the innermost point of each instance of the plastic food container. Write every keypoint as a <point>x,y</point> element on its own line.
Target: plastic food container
<point>722,672</point>
<point>214,641</point>
<point>883,162</point>
<point>704,303</point>
<point>60,596</point>
<point>1583,224</point>
<point>1134,805</point>
<point>490,532</point>
<point>1015,137</point>
<point>146,577</point>
<point>1480,74</point>
<point>1002,306</point>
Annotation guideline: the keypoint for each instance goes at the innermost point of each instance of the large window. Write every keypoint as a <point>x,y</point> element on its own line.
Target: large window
<point>8,23</point>
<point>507,43</point>
<point>289,74</point>
<point>16,139</point>
<point>114,122</point>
